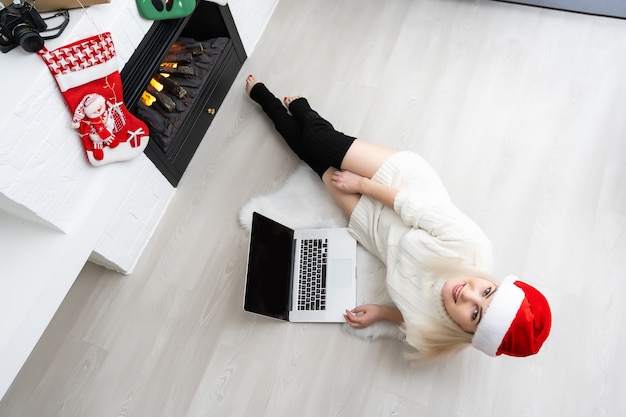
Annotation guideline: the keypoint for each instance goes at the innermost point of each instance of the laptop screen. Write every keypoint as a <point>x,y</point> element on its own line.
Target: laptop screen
<point>268,281</point>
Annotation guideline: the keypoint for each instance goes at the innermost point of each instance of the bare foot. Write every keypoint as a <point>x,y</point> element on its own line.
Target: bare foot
<point>288,100</point>
<point>251,81</point>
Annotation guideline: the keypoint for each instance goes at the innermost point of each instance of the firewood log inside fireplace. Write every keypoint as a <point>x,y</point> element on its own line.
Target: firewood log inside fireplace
<point>170,85</point>
<point>177,69</point>
<point>174,86</point>
<point>187,46</point>
<point>155,89</point>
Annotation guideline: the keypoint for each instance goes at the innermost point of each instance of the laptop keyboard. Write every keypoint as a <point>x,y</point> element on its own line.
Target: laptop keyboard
<point>313,259</point>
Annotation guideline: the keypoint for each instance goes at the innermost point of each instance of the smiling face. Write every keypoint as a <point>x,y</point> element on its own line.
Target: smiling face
<point>466,300</point>
<point>95,106</point>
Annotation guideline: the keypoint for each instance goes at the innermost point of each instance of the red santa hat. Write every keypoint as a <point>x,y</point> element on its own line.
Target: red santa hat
<point>517,322</point>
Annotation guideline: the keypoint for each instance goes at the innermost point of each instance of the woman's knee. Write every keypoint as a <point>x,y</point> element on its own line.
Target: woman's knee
<point>346,202</point>
<point>365,158</point>
<point>327,178</point>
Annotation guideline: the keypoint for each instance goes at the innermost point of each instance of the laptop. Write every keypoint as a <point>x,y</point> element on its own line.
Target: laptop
<point>306,275</point>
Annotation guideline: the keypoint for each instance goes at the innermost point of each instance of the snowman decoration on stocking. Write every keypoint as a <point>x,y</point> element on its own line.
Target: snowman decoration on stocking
<point>87,75</point>
<point>95,125</point>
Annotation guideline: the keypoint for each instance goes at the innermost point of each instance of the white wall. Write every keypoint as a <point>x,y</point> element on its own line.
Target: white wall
<point>57,211</point>
<point>251,17</point>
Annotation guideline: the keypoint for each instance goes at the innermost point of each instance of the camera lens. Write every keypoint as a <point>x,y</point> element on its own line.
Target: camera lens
<point>28,38</point>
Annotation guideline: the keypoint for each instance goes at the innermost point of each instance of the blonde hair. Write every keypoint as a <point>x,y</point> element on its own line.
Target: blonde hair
<point>435,339</point>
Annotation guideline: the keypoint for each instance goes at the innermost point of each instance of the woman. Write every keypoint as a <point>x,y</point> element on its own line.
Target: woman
<point>438,261</point>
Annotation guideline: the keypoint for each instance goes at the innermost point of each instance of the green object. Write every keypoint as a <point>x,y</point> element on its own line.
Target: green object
<point>165,9</point>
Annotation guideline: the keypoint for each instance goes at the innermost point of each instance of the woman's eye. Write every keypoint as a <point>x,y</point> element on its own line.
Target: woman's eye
<point>474,314</point>
<point>487,292</point>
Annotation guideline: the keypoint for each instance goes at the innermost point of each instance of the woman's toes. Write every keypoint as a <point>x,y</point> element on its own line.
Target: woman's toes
<point>251,81</point>
<point>288,99</point>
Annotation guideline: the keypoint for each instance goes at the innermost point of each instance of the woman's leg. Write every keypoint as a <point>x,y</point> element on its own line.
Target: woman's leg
<point>318,144</point>
<point>319,137</point>
<point>284,123</point>
<point>346,201</point>
<point>340,151</point>
<point>365,158</point>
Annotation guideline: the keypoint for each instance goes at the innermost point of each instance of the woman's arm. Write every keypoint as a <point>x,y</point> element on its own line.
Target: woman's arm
<point>350,182</point>
<point>453,231</point>
<point>368,314</point>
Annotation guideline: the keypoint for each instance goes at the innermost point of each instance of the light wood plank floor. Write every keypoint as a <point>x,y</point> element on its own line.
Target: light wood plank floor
<point>522,111</point>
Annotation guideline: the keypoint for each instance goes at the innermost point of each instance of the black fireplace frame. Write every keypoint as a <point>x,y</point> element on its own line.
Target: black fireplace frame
<point>208,20</point>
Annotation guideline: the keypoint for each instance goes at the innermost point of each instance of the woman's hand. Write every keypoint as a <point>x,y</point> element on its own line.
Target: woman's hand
<point>351,183</point>
<point>363,316</point>
<point>348,182</point>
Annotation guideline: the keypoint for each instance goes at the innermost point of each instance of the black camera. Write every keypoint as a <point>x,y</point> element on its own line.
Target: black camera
<point>20,24</point>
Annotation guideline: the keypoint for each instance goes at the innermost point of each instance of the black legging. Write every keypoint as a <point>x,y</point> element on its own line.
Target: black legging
<point>312,138</point>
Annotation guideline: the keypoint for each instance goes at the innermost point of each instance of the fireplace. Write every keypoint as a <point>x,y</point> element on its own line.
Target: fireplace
<point>212,27</point>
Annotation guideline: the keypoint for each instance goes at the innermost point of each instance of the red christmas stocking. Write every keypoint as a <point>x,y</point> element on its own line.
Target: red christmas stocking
<point>87,74</point>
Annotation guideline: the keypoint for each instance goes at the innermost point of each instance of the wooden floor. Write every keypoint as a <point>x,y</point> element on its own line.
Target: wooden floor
<point>521,110</point>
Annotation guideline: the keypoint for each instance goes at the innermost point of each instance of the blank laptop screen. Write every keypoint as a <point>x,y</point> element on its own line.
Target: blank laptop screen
<point>268,284</point>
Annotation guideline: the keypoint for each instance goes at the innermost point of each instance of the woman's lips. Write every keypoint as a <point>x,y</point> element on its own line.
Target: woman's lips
<point>456,291</point>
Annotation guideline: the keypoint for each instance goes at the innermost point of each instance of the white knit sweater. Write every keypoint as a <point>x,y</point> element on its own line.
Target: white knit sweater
<point>423,240</point>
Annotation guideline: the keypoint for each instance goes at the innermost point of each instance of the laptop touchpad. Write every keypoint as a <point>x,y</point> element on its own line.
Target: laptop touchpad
<point>341,272</point>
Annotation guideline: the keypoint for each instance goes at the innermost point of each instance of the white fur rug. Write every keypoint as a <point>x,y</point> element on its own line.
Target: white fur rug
<point>303,202</point>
